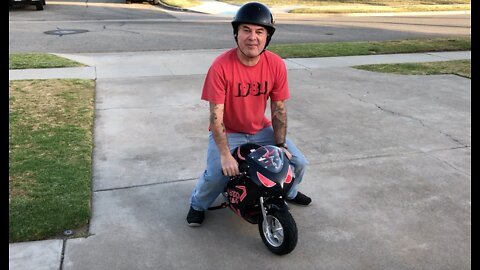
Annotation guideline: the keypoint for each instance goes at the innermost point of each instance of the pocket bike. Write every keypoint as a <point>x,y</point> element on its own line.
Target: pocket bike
<point>258,194</point>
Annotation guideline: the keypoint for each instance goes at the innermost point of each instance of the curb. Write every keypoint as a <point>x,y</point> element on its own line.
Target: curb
<point>174,8</point>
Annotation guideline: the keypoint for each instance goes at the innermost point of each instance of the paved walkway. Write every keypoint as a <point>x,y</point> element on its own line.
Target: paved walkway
<point>172,63</point>
<point>389,168</point>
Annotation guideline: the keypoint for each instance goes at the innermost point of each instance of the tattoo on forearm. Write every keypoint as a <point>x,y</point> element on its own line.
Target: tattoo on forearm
<point>215,110</point>
<point>213,117</point>
<point>280,116</point>
<point>279,122</point>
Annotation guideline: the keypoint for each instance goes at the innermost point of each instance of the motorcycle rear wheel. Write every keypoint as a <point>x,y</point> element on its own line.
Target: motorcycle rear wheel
<point>282,237</point>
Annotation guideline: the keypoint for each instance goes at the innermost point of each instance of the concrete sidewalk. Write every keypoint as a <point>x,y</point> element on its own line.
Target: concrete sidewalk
<point>389,174</point>
<point>172,63</point>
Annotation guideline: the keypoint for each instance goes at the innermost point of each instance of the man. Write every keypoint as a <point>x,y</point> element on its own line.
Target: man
<point>238,85</point>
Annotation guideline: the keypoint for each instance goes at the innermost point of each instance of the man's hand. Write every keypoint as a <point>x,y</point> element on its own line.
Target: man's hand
<point>287,153</point>
<point>229,165</point>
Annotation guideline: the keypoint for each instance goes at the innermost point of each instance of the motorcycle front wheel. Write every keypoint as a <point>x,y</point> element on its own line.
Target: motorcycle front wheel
<point>279,232</point>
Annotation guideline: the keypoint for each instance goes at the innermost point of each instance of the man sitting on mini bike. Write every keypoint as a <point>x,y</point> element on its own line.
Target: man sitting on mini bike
<point>238,86</point>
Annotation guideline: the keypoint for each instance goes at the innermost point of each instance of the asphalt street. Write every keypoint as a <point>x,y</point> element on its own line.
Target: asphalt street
<point>117,27</point>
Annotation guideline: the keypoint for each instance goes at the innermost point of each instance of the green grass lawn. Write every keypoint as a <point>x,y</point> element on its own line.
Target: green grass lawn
<point>327,49</point>
<point>456,67</point>
<point>363,6</point>
<point>50,157</point>
<point>348,6</point>
<point>39,60</point>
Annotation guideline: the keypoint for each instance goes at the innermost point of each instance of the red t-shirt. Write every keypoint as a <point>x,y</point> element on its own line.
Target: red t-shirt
<point>244,90</point>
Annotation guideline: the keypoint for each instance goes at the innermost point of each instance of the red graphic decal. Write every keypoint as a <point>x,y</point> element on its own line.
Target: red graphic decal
<point>265,181</point>
<point>235,197</point>
<point>289,176</point>
<point>244,193</point>
<point>239,154</point>
<point>268,153</point>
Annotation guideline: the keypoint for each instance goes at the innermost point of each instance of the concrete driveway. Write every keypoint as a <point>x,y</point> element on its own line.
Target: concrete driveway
<point>389,174</point>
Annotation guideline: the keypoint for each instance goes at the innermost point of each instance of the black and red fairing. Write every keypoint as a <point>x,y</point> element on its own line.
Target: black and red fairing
<point>243,197</point>
<point>268,174</point>
<point>270,168</point>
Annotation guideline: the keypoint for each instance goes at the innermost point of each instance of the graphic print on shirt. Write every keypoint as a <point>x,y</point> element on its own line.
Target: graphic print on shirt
<point>254,89</point>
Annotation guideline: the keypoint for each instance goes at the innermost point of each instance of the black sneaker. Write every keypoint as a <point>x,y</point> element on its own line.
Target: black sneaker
<point>194,217</point>
<point>301,199</point>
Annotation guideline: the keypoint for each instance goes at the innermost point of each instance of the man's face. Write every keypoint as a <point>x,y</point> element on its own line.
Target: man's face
<point>251,39</point>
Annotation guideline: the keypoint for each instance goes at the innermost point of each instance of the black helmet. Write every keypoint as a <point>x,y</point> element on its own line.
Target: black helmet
<point>254,13</point>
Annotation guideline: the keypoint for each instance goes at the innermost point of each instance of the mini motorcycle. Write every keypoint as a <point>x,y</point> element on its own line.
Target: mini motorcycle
<point>258,194</point>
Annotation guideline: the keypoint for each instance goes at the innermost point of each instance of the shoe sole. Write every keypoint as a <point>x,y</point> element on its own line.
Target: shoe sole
<point>194,224</point>
<point>296,203</point>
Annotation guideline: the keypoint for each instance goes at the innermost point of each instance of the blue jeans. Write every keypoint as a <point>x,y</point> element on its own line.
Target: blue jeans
<point>212,182</point>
